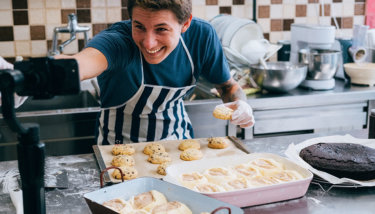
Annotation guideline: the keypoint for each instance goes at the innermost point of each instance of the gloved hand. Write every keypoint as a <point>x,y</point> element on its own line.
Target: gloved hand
<point>17,99</point>
<point>242,115</point>
<point>4,64</point>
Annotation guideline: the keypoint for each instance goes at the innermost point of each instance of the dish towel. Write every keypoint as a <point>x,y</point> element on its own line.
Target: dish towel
<point>370,13</point>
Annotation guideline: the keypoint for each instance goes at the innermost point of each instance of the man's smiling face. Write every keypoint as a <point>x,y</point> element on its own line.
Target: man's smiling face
<point>156,33</point>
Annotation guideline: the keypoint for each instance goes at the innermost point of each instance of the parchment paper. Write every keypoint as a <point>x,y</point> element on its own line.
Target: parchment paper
<point>293,151</point>
<point>146,168</point>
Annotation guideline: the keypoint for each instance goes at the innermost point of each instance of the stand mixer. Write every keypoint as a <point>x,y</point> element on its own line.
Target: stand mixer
<point>320,39</point>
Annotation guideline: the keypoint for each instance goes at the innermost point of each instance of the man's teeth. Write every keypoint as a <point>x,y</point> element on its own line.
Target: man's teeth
<point>152,52</point>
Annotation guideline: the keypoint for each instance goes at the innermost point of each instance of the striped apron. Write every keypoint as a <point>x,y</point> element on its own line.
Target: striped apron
<point>153,113</point>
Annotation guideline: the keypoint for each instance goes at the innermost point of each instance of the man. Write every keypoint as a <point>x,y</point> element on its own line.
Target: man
<point>146,65</point>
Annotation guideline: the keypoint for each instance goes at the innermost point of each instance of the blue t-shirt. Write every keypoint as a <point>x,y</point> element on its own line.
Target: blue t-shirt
<point>123,76</point>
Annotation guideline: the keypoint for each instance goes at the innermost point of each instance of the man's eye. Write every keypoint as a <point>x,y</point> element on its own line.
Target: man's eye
<point>140,27</point>
<point>161,29</point>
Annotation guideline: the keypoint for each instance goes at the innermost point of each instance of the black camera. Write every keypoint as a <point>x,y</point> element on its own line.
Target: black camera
<point>46,77</point>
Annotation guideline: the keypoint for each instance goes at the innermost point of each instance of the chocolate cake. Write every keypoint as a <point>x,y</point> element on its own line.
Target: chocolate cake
<point>341,159</point>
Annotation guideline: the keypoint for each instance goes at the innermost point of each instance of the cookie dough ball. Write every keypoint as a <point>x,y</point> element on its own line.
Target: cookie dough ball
<point>159,157</point>
<point>123,149</point>
<point>148,200</point>
<point>191,154</point>
<point>151,148</point>
<point>217,143</point>
<point>123,160</point>
<point>189,144</point>
<point>171,207</point>
<point>118,205</point>
<point>222,112</point>
<point>161,170</point>
<point>128,173</point>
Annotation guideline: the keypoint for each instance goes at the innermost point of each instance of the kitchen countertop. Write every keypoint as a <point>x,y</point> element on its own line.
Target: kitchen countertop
<point>83,174</point>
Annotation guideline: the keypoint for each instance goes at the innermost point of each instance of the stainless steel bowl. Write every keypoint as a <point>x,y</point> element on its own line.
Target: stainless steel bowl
<point>279,77</point>
<point>322,64</point>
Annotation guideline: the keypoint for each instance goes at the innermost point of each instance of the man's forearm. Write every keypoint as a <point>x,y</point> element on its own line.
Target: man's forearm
<point>230,91</point>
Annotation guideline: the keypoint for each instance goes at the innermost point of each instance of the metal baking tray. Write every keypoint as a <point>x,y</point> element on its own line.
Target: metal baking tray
<point>145,169</point>
<point>195,201</point>
<point>251,196</point>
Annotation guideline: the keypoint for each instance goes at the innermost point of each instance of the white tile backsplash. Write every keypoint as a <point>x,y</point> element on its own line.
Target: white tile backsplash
<point>113,15</point>
<point>53,4</point>
<point>289,11</point>
<point>276,11</point>
<point>113,3</point>
<point>23,48</point>
<point>348,9</point>
<point>37,16</point>
<point>99,15</point>
<point>6,17</point>
<point>5,4</point>
<point>98,3</point>
<point>39,48</point>
<point>225,2</point>
<point>7,49</point>
<point>53,16</point>
<point>21,32</point>
<point>68,4</point>
<point>36,4</point>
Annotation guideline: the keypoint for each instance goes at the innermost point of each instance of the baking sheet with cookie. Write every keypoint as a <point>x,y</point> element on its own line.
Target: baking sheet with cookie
<point>104,156</point>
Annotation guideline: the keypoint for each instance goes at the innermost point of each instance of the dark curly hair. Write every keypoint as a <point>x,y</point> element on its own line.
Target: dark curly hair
<point>181,8</point>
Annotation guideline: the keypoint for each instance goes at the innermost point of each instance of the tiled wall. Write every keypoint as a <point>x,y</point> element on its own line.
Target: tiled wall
<point>26,26</point>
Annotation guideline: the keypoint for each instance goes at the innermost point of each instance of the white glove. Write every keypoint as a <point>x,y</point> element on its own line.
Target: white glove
<point>17,99</point>
<point>4,64</point>
<point>242,115</point>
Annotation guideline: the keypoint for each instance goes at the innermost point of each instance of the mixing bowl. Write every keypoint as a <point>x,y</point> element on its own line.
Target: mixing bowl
<point>361,73</point>
<point>279,77</point>
<point>322,64</point>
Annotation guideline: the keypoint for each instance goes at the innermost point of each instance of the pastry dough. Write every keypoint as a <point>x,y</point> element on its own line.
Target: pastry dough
<point>217,143</point>
<point>189,143</point>
<point>222,112</point>
<point>235,184</point>
<point>123,160</point>
<point>267,164</point>
<point>208,188</point>
<point>172,207</point>
<point>191,154</point>
<point>285,175</point>
<point>218,175</point>
<point>123,149</point>
<point>246,171</point>
<point>118,205</point>
<point>262,181</point>
<point>152,148</point>
<point>148,200</point>
<point>191,179</point>
<point>128,173</point>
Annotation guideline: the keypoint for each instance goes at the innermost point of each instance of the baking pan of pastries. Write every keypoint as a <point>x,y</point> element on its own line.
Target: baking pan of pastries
<point>151,195</point>
<point>151,158</point>
<point>247,180</point>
